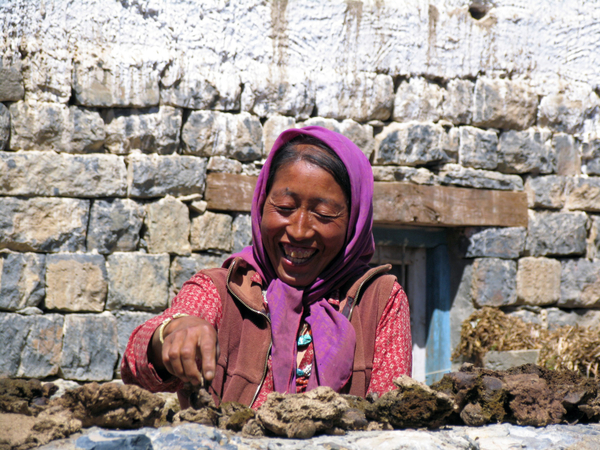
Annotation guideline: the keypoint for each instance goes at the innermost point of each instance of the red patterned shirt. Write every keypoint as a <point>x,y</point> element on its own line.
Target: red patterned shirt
<point>199,297</point>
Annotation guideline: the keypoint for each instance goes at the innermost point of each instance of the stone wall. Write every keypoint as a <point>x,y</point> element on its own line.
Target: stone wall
<point>112,113</point>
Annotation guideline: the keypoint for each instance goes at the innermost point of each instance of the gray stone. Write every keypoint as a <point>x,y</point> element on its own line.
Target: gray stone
<point>538,281</point>
<point>462,304</point>
<point>242,232</point>
<point>4,126</point>
<point>451,143</point>
<point>568,160</point>
<point>76,282</point>
<point>115,225</point>
<point>41,354</point>
<point>108,77</point>
<point>43,224</point>
<point>47,65</point>
<point>11,85</point>
<point>213,133</point>
<point>128,321</point>
<point>583,194</point>
<point>505,360</point>
<point>589,318</point>
<point>168,227</point>
<point>409,144</point>
<point>504,104</point>
<point>137,281</point>
<point>273,127</point>
<point>31,311</point>
<point>21,280</point>
<point>418,99</point>
<point>526,151</point>
<point>251,169</point>
<point>55,126</point>
<point>36,173</point>
<point>361,135</point>
<point>580,284</point>
<point>89,347</point>
<point>400,173</point>
<point>222,164</point>
<point>590,156</point>
<point>478,148</point>
<point>458,101</point>
<point>494,282</point>
<point>267,93</point>
<point>156,176</point>
<point>562,113</point>
<point>593,242</point>
<point>211,231</point>
<point>188,83</point>
<point>546,192</point>
<point>14,329</point>
<point>495,242</point>
<point>151,130</point>
<point>457,175</point>
<point>559,234</point>
<point>361,96</point>
<point>185,267</point>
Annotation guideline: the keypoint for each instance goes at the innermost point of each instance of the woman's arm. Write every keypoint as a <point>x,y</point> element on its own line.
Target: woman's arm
<point>158,367</point>
<point>393,343</point>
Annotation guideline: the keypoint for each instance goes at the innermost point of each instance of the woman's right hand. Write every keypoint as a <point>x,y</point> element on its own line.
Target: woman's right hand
<point>190,345</point>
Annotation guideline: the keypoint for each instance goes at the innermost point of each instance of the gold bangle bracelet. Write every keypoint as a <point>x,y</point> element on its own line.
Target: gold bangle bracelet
<point>163,325</point>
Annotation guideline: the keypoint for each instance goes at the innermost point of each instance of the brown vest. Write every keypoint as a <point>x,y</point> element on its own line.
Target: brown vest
<point>245,333</point>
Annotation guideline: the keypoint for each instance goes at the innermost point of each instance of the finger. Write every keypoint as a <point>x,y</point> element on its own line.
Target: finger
<point>208,349</point>
<point>172,355</point>
<point>188,360</point>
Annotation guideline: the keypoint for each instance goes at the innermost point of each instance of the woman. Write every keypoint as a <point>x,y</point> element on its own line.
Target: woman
<point>299,308</point>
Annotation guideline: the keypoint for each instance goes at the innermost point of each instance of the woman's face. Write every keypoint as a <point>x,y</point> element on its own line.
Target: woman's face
<point>304,222</point>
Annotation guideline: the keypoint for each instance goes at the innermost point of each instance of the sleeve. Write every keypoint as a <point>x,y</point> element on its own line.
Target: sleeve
<point>197,297</point>
<point>393,343</point>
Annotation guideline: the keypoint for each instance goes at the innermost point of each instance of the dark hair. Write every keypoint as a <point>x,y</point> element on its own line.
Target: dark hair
<point>325,159</point>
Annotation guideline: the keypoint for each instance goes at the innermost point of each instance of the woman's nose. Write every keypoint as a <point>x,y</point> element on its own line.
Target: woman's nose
<point>300,226</point>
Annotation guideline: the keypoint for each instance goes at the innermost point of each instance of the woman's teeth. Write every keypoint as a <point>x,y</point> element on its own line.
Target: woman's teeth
<point>298,256</point>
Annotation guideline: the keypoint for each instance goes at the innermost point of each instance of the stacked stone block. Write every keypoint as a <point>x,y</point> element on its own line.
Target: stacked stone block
<point>104,156</point>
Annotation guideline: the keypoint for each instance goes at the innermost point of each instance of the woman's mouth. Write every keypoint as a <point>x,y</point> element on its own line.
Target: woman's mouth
<point>297,255</point>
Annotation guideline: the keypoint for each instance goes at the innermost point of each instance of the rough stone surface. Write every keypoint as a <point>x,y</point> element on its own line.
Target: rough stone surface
<point>189,83</point>
<point>43,224</point>
<point>556,317</point>
<point>493,282</point>
<point>457,175</point>
<point>399,173</point>
<point>361,135</point>
<point>584,194</point>
<point>137,281</point>
<point>565,112</point>
<point>568,160</point>
<point>557,234</point>
<point>502,103</point>
<point>89,347</point>
<point>55,126</point>
<point>505,360</point>
<point>580,284</point>
<point>11,85</point>
<point>41,354</point>
<point>546,192</point>
<point>593,242</point>
<point>156,176</point>
<point>538,281</point>
<point>223,165</point>
<point>127,321</point>
<point>14,329</point>
<point>361,96</point>
<point>458,101</point>
<point>409,144</point>
<point>152,130</point>
<point>212,231</point>
<point>242,232</point>
<point>213,133</point>
<point>185,267</point>
<point>273,127</point>
<point>418,99</point>
<point>37,173</point>
<point>4,126</point>
<point>478,148</point>
<point>76,282</point>
<point>115,225</point>
<point>21,280</point>
<point>526,151</point>
<point>590,156</point>
<point>168,226</point>
<point>495,242</point>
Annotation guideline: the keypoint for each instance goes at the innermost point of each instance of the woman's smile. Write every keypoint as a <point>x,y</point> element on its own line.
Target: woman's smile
<point>304,222</point>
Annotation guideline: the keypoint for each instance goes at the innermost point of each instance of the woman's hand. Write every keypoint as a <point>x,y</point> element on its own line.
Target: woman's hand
<point>189,342</point>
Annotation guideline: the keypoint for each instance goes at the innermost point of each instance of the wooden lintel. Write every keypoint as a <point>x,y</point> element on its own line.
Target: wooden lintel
<point>399,203</point>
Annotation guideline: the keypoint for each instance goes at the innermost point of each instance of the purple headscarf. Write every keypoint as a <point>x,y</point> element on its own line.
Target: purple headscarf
<point>333,335</point>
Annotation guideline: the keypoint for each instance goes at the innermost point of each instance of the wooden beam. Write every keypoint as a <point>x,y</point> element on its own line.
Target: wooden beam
<point>399,203</point>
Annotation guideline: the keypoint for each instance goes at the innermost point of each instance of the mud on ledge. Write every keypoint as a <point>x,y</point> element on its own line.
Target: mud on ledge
<point>526,395</point>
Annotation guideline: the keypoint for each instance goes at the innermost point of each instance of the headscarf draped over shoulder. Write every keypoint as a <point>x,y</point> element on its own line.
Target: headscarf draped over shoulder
<point>333,335</point>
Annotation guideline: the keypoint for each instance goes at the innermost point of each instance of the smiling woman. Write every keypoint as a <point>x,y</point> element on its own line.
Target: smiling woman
<point>300,308</point>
